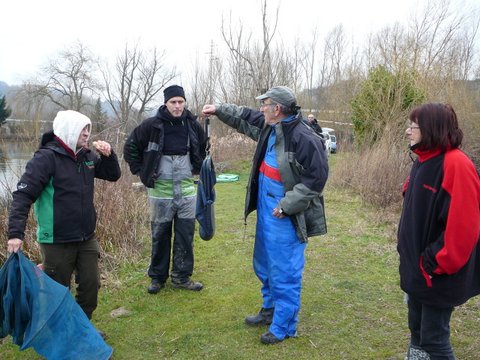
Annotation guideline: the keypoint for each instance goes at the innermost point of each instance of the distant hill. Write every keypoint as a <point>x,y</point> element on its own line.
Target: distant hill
<point>3,88</point>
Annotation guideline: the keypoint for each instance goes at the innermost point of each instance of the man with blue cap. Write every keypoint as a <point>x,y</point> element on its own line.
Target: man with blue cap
<point>286,183</point>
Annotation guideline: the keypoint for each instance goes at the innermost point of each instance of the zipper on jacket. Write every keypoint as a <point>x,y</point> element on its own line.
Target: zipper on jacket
<point>83,182</point>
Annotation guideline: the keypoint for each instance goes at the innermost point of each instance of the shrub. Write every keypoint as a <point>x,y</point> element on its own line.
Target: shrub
<point>382,104</point>
<point>377,174</point>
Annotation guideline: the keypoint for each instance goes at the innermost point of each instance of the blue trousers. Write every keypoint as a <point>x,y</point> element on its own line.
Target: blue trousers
<point>430,329</point>
<point>278,260</point>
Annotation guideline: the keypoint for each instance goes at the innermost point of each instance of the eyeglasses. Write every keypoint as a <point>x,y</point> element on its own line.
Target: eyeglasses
<point>264,104</point>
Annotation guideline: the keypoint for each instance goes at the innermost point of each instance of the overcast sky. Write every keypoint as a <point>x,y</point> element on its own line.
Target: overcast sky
<point>35,30</point>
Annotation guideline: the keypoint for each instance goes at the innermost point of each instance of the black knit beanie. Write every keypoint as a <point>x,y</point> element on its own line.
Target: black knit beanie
<point>173,91</point>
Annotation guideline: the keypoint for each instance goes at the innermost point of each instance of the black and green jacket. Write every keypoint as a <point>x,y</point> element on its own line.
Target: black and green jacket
<point>60,184</point>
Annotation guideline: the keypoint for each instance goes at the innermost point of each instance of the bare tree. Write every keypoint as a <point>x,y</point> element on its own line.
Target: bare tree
<point>238,88</point>
<point>466,49</point>
<point>291,67</point>
<point>205,81</point>
<point>333,57</point>
<point>137,79</point>
<point>68,80</point>
<point>393,49</point>
<point>253,62</point>
<point>308,64</point>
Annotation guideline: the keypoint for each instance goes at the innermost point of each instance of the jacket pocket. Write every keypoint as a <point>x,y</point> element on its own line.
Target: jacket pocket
<point>428,278</point>
<point>315,220</point>
<point>145,177</point>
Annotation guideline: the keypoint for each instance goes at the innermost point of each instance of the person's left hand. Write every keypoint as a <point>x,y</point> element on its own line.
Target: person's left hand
<point>278,213</point>
<point>102,147</point>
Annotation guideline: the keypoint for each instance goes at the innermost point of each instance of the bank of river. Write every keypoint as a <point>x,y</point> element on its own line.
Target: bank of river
<point>13,158</point>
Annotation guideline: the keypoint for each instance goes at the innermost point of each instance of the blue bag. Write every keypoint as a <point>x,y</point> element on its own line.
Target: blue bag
<point>205,212</point>
<point>39,312</point>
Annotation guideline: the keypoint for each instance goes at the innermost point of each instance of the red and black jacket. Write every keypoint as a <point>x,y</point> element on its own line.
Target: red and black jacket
<point>439,230</point>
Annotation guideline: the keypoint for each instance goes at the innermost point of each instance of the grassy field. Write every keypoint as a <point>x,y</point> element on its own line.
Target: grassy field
<point>352,306</point>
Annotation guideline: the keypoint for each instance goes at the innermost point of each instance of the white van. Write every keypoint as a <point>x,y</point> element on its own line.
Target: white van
<point>328,141</point>
<point>328,133</point>
<point>333,145</point>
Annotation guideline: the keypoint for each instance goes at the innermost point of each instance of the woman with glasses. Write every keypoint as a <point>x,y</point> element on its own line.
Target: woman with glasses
<point>438,234</point>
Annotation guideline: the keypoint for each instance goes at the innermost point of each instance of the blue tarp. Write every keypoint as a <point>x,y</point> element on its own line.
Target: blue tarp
<point>38,312</point>
<point>205,212</point>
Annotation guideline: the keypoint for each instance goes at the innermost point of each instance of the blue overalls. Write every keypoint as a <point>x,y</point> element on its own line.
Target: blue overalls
<point>278,258</point>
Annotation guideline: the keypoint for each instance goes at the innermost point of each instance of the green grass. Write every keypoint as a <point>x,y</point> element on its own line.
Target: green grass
<point>352,306</point>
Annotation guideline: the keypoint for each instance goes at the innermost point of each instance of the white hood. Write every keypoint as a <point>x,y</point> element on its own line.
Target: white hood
<point>68,125</point>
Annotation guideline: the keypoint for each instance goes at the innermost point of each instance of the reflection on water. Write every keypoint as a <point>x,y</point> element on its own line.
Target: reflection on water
<point>13,158</point>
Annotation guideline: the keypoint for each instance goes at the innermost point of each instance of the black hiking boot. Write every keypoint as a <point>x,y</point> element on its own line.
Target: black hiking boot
<point>264,317</point>
<point>155,286</point>
<point>188,285</point>
<point>270,339</point>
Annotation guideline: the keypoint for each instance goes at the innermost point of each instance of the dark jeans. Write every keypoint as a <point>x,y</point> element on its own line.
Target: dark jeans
<point>182,264</point>
<point>430,329</point>
<point>60,261</point>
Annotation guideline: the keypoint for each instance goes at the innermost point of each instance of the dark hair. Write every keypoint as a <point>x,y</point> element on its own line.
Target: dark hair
<point>289,110</point>
<point>438,125</point>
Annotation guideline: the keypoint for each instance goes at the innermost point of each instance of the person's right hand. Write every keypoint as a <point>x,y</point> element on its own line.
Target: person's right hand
<point>13,245</point>
<point>209,109</point>
<point>102,147</point>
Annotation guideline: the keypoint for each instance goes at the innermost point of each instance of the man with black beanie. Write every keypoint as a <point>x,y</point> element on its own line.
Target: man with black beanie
<point>165,151</point>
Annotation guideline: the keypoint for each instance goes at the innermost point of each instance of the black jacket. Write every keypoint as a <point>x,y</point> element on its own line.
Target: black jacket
<point>62,188</point>
<point>315,126</point>
<point>144,147</point>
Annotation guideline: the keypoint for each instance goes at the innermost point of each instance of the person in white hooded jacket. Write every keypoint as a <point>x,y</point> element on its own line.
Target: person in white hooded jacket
<point>59,181</point>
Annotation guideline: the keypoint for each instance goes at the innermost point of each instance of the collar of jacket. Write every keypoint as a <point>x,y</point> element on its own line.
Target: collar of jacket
<point>424,155</point>
<point>164,115</point>
<point>289,124</point>
<point>50,141</point>
<point>65,147</point>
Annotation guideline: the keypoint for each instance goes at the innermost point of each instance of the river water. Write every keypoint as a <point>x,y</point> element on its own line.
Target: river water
<point>14,155</point>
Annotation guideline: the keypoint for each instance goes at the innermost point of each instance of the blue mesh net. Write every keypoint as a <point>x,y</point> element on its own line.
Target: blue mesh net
<point>40,313</point>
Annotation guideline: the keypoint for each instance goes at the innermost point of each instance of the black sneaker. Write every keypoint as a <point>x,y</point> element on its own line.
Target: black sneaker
<point>155,286</point>
<point>188,285</point>
<point>264,317</point>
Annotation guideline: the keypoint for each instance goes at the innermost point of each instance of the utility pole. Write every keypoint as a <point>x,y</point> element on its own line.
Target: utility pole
<point>211,62</point>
